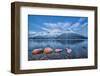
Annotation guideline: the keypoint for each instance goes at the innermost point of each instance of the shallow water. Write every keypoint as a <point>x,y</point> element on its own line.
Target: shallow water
<point>79,48</point>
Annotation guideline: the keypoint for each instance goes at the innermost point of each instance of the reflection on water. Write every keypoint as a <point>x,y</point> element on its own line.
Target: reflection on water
<point>79,48</point>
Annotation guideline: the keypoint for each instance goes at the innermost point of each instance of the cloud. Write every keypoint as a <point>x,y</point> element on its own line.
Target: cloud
<point>56,30</point>
<point>78,26</point>
<point>59,25</point>
<point>75,25</point>
<point>51,30</point>
<point>45,29</point>
<point>31,32</point>
<point>51,25</point>
<point>85,24</point>
<point>81,19</point>
<point>78,23</point>
<point>65,26</point>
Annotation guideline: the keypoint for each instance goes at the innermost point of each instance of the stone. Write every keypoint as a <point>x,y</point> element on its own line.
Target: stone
<point>37,51</point>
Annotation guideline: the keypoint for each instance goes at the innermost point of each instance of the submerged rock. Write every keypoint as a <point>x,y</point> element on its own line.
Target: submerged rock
<point>44,57</point>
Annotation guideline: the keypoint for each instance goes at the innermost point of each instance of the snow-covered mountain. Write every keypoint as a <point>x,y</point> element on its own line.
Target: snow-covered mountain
<point>56,35</point>
<point>44,34</point>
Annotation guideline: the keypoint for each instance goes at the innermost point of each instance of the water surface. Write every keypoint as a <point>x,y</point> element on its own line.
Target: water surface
<point>79,48</point>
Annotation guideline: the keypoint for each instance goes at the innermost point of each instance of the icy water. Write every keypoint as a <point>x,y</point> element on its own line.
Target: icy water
<point>79,48</point>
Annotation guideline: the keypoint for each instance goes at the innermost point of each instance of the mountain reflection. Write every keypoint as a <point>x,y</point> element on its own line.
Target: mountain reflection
<point>78,46</point>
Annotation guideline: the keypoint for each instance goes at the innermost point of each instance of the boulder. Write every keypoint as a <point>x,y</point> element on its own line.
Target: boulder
<point>69,50</point>
<point>58,50</point>
<point>37,51</point>
<point>48,50</point>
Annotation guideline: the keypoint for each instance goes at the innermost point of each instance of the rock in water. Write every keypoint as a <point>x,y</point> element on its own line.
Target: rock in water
<point>58,50</point>
<point>69,50</point>
<point>48,50</point>
<point>37,51</point>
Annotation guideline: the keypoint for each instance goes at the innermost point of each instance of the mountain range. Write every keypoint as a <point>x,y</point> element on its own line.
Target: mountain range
<point>56,35</point>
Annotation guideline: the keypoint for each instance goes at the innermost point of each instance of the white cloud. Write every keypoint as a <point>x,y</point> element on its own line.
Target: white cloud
<point>58,25</point>
<point>65,26</point>
<point>75,25</point>
<point>45,29</point>
<point>31,32</point>
<point>51,25</point>
<point>56,30</point>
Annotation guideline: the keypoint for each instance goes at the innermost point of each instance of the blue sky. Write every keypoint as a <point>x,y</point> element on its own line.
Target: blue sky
<point>39,23</point>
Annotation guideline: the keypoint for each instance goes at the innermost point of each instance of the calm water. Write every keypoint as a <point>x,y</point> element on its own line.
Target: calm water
<point>79,48</point>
